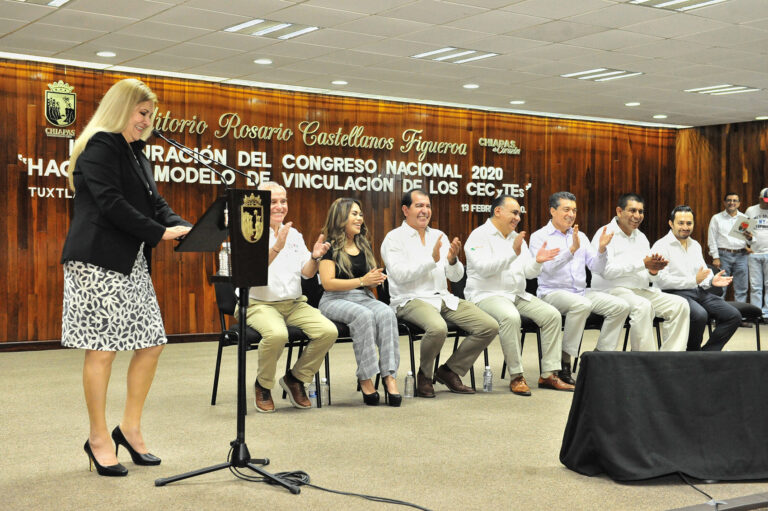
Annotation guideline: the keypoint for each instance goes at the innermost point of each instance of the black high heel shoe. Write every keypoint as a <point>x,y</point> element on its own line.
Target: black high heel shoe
<point>370,399</point>
<point>391,399</point>
<point>111,470</point>
<point>138,458</point>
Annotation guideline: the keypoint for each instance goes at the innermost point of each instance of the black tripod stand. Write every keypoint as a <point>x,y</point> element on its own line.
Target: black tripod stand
<point>240,458</point>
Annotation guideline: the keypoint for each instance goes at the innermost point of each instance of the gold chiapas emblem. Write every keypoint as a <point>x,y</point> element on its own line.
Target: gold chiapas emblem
<point>252,218</point>
<point>60,104</point>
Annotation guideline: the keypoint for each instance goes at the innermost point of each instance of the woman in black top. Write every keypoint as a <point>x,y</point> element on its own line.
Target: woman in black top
<point>348,272</point>
<point>109,302</point>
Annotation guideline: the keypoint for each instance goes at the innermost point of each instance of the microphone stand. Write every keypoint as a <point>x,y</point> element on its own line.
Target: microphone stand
<point>240,457</point>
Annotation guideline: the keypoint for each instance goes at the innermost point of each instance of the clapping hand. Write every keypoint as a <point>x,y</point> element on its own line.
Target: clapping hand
<point>654,263</point>
<point>453,252</point>
<point>702,274</point>
<point>373,278</point>
<point>544,255</point>
<point>720,280</point>
<point>576,243</point>
<point>518,243</point>
<point>436,249</point>
<point>320,248</point>
<point>282,235</point>
<point>605,238</point>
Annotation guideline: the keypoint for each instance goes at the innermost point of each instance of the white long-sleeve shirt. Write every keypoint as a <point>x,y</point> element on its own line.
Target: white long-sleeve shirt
<point>285,271</point>
<point>717,234</point>
<point>567,271</point>
<point>493,268</point>
<point>683,265</point>
<point>625,266</point>
<point>413,273</point>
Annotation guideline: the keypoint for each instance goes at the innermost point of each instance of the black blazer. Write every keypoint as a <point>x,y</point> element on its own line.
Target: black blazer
<point>116,205</point>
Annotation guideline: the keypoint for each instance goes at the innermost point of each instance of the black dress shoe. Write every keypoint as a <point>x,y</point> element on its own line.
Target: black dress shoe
<point>138,458</point>
<point>110,471</point>
<point>565,374</point>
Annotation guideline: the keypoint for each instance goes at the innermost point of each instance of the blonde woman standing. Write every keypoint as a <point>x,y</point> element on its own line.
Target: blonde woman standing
<point>348,272</point>
<point>109,301</point>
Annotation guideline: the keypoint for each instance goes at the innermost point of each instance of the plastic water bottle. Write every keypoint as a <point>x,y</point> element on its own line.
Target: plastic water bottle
<point>224,259</point>
<point>312,393</point>
<point>325,392</point>
<point>487,379</point>
<point>409,385</point>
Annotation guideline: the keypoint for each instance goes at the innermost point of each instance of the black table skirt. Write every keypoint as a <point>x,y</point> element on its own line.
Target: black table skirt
<point>642,415</point>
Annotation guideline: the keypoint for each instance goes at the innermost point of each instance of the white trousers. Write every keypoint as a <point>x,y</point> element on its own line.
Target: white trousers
<point>577,308</point>
<point>645,304</point>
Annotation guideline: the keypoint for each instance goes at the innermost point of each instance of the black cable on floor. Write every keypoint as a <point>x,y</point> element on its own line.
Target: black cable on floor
<point>301,478</point>
<point>712,501</point>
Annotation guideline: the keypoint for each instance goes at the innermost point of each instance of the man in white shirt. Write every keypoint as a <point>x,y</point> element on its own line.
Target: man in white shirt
<point>729,253</point>
<point>418,260</point>
<point>498,262</point>
<point>628,272</point>
<point>687,275</point>
<point>758,257</point>
<point>280,303</point>
<point>563,280</point>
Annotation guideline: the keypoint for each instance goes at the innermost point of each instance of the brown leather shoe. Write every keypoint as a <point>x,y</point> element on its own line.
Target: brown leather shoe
<point>519,386</point>
<point>555,383</point>
<point>452,381</point>
<point>424,386</point>
<point>263,399</point>
<point>295,390</point>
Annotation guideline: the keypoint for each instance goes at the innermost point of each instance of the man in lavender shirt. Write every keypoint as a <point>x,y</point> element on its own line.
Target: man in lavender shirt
<point>563,280</point>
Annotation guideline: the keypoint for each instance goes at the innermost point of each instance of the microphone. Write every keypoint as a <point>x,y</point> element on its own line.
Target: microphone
<point>198,157</point>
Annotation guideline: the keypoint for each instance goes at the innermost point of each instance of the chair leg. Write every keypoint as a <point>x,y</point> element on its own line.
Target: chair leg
<point>658,335</point>
<point>538,341</point>
<point>216,373</point>
<point>317,390</point>
<point>578,352</point>
<point>434,372</point>
<point>413,357</point>
<point>485,356</point>
<point>328,376</point>
<point>626,337</point>
<point>757,333</point>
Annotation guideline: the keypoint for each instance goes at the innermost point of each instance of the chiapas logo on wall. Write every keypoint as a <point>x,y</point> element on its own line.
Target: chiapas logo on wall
<point>60,109</point>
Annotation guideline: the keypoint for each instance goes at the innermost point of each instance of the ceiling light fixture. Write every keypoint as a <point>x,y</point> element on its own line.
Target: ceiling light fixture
<point>271,29</point>
<point>659,116</point>
<point>632,103</point>
<point>471,86</point>
<point>601,74</point>
<point>340,82</point>
<point>453,55</point>
<point>241,26</point>
<point>761,118</point>
<point>517,102</point>
<point>722,89</point>
<point>262,62</point>
<point>676,5</point>
<point>106,54</point>
<point>297,33</point>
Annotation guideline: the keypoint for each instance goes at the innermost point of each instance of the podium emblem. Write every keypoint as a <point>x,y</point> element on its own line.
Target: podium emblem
<point>252,218</point>
<point>60,104</point>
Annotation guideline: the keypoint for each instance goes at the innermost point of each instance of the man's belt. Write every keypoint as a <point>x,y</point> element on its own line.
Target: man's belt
<point>737,251</point>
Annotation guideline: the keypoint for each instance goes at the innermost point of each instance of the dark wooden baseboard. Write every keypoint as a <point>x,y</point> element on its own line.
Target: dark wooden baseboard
<point>55,344</point>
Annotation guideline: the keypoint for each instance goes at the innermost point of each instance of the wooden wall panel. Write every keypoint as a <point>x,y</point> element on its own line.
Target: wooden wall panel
<point>714,160</point>
<point>596,161</point>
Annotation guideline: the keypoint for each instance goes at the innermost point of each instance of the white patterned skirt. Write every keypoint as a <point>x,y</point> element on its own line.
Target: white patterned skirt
<point>106,310</point>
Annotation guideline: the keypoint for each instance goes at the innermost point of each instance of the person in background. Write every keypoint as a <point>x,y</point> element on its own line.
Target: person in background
<point>758,255</point>
<point>109,301</point>
<point>348,272</point>
<point>273,307</point>
<point>729,253</point>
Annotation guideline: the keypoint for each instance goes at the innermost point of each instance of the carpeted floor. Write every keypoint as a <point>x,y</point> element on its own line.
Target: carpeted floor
<point>487,451</point>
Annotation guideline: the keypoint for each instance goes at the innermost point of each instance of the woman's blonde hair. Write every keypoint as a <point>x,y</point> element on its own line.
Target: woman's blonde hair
<point>335,234</point>
<point>113,114</point>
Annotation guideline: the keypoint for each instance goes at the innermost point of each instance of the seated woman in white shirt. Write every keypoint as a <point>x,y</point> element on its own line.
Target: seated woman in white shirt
<point>348,272</point>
